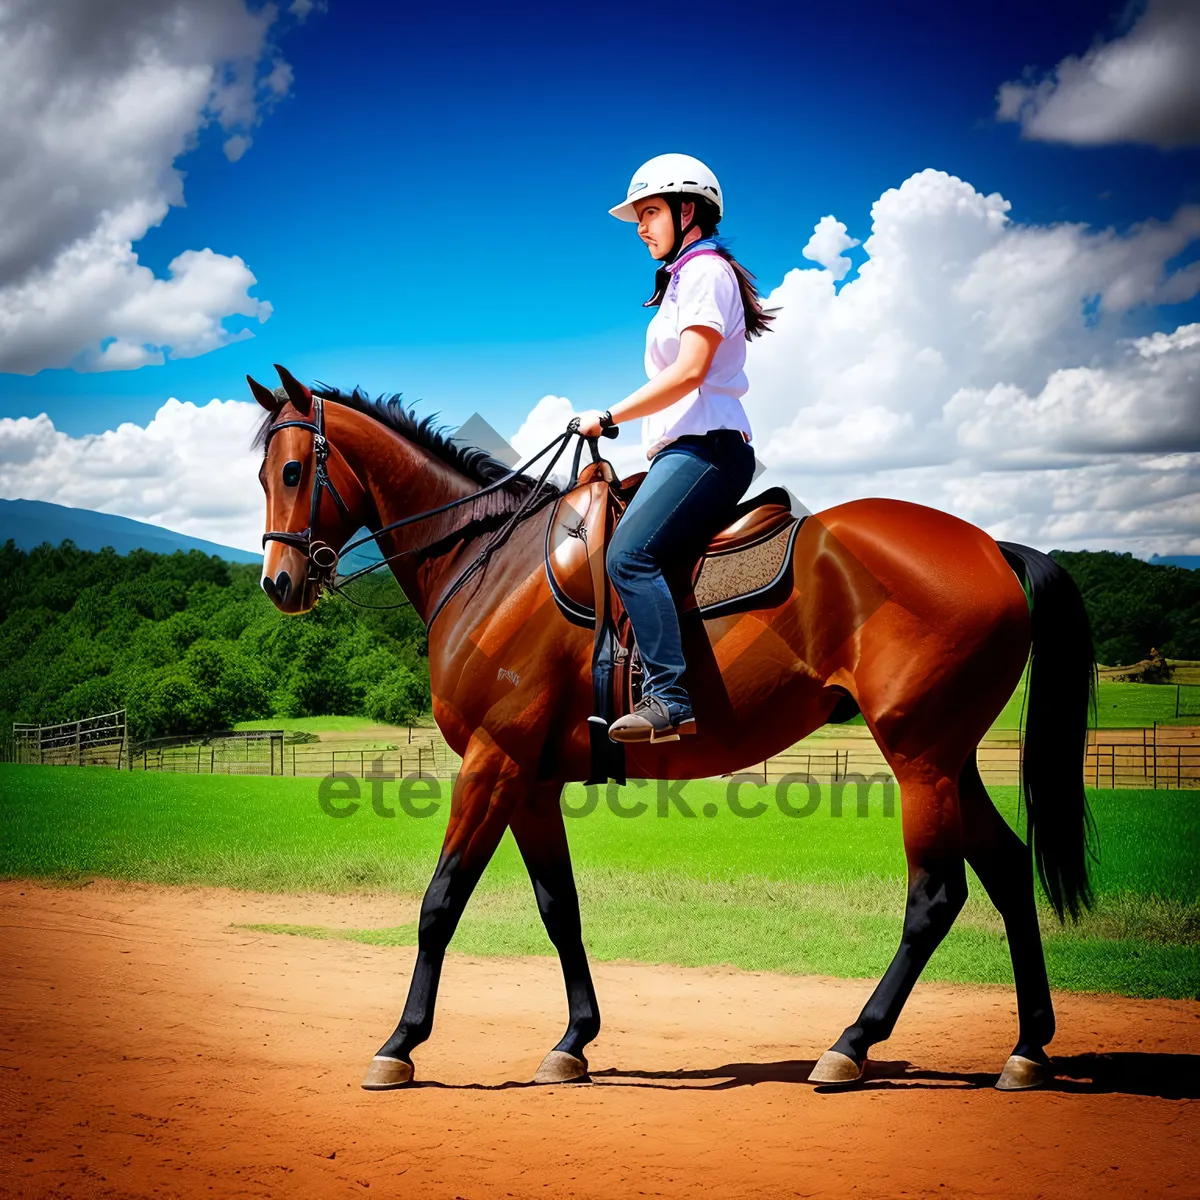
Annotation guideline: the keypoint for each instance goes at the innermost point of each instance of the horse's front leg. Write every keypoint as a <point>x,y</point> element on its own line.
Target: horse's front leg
<point>537,826</point>
<point>485,792</point>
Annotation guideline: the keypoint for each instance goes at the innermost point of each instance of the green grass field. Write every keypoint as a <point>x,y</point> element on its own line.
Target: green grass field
<point>800,894</point>
<point>1119,705</point>
<point>327,724</point>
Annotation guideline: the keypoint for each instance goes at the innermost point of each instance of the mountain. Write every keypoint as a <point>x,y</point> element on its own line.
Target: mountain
<point>31,522</point>
<point>1190,561</point>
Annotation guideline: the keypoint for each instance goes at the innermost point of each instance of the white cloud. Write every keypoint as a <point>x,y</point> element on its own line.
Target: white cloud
<point>984,367</point>
<point>1146,401</point>
<point>825,246</point>
<point>235,147</point>
<point>100,291</point>
<point>549,417</point>
<point>974,364</point>
<point>96,104</point>
<point>279,81</point>
<point>190,469</point>
<point>300,9</point>
<point>1142,87</point>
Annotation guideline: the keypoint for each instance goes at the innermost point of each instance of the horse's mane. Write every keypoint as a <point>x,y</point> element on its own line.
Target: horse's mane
<point>475,463</point>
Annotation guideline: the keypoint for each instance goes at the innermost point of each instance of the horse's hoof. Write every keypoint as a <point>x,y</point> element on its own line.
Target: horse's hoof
<point>385,1073</point>
<point>835,1067</point>
<point>560,1067</point>
<point>1020,1074</point>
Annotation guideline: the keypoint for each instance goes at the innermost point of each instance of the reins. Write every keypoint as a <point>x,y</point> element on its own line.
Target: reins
<point>323,559</point>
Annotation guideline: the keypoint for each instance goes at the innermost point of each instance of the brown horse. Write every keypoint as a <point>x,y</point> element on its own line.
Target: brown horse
<point>922,619</point>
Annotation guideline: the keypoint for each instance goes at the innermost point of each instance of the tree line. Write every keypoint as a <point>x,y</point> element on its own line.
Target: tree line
<point>1136,606</point>
<point>187,642</point>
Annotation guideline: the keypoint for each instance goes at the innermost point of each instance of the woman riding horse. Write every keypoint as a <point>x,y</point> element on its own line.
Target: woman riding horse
<point>919,619</point>
<point>694,428</point>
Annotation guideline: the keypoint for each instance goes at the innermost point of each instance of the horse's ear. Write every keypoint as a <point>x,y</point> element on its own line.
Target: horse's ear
<point>264,395</point>
<point>297,393</point>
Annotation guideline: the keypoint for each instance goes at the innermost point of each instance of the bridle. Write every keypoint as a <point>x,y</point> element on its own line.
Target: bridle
<point>322,558</point>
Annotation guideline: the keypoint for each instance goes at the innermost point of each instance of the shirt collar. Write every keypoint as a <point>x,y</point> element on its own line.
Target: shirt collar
<point>708,243</point>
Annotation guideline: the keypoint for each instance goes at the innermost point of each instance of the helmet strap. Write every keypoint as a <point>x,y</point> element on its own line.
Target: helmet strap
<point>675,203</point>
<point>662,277</point>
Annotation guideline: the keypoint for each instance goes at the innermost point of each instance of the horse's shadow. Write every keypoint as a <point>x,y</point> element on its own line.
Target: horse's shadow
<point>1127,1073</point>
<point>1130,1073</point>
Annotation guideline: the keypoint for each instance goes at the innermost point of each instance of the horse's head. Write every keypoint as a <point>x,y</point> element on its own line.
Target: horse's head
<point>315,502</point>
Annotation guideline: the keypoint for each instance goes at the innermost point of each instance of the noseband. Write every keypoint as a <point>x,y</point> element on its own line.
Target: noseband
<point>322,557</point>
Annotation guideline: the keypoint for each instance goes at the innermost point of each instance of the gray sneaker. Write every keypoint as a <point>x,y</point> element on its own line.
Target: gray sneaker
<point>651,721</point>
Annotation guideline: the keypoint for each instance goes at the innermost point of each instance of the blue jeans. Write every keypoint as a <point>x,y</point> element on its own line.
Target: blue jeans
<point>693,485</point>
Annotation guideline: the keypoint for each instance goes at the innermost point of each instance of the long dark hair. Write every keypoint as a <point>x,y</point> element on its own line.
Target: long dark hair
<point>706,218</point>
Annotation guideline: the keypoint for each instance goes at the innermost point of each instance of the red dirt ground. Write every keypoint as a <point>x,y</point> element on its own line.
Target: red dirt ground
<point>150,1049</point>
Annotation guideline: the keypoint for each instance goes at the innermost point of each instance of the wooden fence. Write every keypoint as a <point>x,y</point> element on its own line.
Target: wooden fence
<point>267,752</point>
<point>1165,756</point>
<point>1162,756</point>
<point>91,741</point>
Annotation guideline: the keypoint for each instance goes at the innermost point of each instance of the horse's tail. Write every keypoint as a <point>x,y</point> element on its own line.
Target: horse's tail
<point>1061,700</point>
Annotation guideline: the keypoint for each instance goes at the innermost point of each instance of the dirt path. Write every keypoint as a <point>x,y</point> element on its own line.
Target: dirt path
<point>148,1048</point>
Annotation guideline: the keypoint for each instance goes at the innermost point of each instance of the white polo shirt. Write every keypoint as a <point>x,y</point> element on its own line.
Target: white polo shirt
<point>703,290</point>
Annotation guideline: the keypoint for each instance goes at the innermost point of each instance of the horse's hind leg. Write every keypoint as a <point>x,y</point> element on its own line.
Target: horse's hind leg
<point>1002,862</point>
<point>937,890</point>
<point>537,826</point>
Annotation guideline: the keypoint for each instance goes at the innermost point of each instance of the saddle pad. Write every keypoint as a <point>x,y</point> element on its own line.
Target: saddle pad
<point>743,578</point>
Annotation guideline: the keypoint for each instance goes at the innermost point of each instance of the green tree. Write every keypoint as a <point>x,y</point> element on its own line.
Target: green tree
<point>188,643</point>
<point>1135,606</point>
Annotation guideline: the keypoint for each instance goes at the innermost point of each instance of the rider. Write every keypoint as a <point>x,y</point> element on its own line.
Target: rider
<point>694,429</point>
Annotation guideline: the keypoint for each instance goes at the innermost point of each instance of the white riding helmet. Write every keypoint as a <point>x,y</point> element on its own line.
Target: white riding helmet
<point>666,175</point>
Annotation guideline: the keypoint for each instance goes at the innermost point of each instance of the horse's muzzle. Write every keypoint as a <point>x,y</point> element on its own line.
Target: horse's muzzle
<point>279,588</point>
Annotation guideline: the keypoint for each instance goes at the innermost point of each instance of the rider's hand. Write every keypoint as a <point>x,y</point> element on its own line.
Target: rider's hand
<point>589,423</point>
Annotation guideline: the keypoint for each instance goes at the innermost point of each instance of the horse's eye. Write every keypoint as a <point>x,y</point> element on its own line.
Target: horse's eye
<point>291,473</point>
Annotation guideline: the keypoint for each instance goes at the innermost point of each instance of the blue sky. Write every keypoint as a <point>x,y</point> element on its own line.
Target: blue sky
<point>979,224</point>
<point>426,208</point>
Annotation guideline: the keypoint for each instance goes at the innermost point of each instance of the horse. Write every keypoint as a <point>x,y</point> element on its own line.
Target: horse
<point>919,619</point>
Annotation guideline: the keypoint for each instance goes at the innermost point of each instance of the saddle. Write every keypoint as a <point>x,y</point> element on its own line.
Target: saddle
<point>746,565</point>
